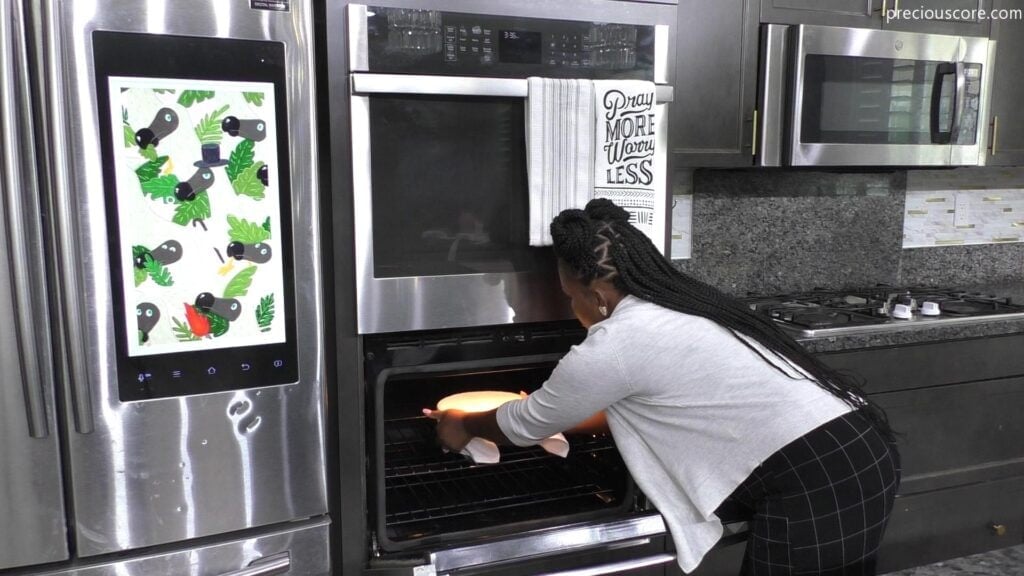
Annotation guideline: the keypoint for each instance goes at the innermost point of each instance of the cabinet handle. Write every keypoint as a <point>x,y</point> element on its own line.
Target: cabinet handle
<point>995,133</point>
<point>753,136</point>
<point>998,529</point>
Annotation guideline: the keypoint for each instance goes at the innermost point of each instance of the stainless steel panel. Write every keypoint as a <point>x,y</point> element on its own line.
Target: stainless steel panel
<point>772,98</point>
<point>617,567</point>
<point>31,494</point>
<point>431,302</point>
<point>166,470</point>
<point>881,44</point>
<point>302,549</point>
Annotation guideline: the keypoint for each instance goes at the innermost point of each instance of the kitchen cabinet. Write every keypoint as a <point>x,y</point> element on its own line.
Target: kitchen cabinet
<point>716,84</point>
<point>962,17</point>
<point>852,13</point>
<point>956,405</point>
<point>871,14</point>
<point>1006,143</point>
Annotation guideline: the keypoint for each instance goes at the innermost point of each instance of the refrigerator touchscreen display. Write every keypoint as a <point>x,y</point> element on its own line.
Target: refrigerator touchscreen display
<point>198,219</point>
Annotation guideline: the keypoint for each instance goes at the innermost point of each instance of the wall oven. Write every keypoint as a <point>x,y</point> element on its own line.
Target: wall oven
<point>438,148</point>
<point>833,96</point>
<point>426,120</point>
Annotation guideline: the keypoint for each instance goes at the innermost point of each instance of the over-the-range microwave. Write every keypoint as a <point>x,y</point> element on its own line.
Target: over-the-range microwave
<point>831,96</point>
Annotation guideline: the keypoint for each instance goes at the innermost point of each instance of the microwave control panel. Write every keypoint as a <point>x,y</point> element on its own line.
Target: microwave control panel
<point>403,40</point>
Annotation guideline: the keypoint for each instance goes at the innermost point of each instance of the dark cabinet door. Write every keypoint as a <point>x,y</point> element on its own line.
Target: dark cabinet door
<point>716,84</point>
<point>1006,143</point>
<point>852,13</point>
<point>956,17</point>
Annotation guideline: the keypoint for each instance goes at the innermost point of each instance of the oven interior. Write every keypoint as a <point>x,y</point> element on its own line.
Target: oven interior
<point>429,497</point>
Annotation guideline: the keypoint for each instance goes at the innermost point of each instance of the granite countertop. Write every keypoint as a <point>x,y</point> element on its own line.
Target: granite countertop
<point>907,334</point>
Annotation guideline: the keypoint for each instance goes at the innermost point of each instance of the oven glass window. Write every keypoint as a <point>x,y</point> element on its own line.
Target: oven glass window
<point>449,186</point>
<point>857,100</point>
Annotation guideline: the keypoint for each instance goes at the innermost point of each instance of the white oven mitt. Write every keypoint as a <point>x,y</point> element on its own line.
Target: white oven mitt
<point>483,451</point>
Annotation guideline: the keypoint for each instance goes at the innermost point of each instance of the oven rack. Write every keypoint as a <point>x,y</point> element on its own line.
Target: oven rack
<point>411,449</point>
<point>533,485</point>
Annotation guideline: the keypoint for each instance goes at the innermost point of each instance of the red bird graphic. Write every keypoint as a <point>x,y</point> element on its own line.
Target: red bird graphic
<point>199,324</point>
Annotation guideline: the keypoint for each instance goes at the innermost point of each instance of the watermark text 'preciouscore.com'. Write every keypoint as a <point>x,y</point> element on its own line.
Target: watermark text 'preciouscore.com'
<point>953,14</point>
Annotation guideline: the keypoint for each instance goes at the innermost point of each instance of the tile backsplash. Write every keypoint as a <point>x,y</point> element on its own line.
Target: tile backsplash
<point>772,230</point>
<point>962,208</point>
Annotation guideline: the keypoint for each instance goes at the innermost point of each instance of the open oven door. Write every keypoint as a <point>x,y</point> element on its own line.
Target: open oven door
<point>629,544</point>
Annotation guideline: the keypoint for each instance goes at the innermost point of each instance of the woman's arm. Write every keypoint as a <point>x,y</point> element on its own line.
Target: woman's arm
<point>456,428</point>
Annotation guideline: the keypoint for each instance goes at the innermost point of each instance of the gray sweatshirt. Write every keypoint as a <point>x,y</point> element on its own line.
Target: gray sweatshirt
<point>693,410</point>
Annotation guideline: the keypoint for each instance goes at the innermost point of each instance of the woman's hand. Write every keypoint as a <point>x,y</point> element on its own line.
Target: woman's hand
<point>451,428</point>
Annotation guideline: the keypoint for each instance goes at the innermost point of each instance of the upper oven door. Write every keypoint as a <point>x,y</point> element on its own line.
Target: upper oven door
<point>877,97</point>
<point>440,189</point>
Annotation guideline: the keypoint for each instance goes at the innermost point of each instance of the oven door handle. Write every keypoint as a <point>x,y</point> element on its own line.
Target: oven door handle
<point>616,567</point>
<point>369,83</point>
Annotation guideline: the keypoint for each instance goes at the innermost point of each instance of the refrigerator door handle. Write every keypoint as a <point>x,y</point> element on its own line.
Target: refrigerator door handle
<point>21,191</point>
<point>269,566</point>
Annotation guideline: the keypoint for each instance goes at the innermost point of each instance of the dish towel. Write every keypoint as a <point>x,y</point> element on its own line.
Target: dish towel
<point>560,149</point>
<point>624,144</point>
<point>486,452</point>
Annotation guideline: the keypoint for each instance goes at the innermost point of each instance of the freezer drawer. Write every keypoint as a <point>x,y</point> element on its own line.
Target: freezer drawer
<point>302,549</point>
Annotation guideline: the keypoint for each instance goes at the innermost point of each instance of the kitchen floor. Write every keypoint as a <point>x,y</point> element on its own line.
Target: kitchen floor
<point>1004,562</point>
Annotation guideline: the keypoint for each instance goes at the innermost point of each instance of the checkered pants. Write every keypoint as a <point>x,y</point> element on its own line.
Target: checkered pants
<point>820,504</point>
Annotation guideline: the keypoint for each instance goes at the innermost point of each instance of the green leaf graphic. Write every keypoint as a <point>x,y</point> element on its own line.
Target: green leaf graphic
<point>239,285</point>
<point>265,313</point>
<point>253,98</point>
<point>241,158</point>
<point>149,152</point>
<point>198,209</point>
<point>245,231</point>
<point>182,331</point>
<point>190,97</point>
<point>150,169</point>
<point>248,184</point>
<point>208,130</point>
<point>129,136</point>
<point>266,226</point>
<point>158,272</point>
<point>167,91</point>
<point>142,335</point>
<point>160,187</point>
<point>140,275</point>
<point>218,324</point>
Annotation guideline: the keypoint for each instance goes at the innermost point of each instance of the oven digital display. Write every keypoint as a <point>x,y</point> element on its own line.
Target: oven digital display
<point>519,47</point>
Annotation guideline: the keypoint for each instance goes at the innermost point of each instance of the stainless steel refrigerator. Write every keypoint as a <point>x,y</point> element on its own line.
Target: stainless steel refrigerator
<point>161,356</point>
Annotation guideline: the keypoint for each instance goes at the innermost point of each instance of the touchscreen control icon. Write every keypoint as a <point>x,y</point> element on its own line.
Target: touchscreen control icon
<point>175,374</point>
<point>246,367</point>
<point>278,363</point>
<point>211,370</point>
<point>144,377</point>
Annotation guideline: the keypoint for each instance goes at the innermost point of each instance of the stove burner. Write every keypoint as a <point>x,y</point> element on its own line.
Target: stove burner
<point>821,319</point>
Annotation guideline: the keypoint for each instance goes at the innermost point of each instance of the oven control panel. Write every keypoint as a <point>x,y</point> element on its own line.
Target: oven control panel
<point>450,43</point>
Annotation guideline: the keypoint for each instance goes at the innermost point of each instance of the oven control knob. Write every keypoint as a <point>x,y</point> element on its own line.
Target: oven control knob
<point>901,311</point>
<point>930,309</point>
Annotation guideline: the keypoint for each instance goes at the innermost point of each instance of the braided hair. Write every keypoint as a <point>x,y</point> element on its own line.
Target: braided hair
<point>599,243</point>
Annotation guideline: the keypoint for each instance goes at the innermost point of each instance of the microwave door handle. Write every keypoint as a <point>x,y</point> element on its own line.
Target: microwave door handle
<point>940,136</point>
<point>959,102</point>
